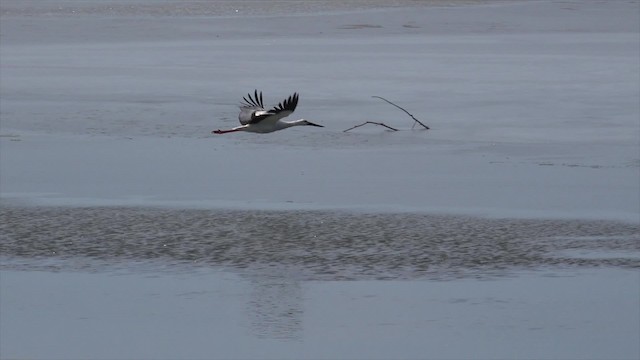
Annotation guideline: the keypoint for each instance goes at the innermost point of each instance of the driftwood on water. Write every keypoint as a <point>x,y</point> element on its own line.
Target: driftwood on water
<point>371,122</point>
<point>387,126</point>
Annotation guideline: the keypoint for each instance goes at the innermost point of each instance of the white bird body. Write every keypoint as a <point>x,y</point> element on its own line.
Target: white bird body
<point>254,117</point>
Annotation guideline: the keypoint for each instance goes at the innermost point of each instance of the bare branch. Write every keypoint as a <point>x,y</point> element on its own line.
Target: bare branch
<point>401,108</point>
<point>371,122</point>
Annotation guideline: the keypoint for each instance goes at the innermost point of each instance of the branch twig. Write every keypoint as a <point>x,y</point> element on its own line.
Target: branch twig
<point>371,122</point>
<point>401,108</point>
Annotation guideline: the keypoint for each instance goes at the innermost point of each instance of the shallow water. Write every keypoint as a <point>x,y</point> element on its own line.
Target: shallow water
<point>313,245</point>
<point>206,8</point>
<point>533,115</point>
<point>187,283</point>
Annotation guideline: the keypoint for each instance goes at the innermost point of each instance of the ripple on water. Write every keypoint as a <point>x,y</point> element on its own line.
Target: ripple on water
<point>312,244</point>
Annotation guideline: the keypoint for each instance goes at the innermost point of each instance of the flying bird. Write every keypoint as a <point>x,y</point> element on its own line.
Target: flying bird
<point>254,117</point>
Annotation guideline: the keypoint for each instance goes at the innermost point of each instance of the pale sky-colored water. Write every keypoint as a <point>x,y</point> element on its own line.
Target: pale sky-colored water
<point>207,8</point>
<point>533,112</point>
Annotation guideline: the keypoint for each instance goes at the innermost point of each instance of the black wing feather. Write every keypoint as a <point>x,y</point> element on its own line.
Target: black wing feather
<point>289,103</point>
<point>253,101</point>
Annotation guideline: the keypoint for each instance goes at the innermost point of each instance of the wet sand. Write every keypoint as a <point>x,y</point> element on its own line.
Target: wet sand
<point>315,245</point>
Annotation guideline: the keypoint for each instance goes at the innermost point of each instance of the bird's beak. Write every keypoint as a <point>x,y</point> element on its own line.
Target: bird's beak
<point>312,124</point>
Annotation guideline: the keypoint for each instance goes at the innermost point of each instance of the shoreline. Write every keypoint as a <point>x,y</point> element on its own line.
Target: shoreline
<point>317,244</point>
<point>52,201</point>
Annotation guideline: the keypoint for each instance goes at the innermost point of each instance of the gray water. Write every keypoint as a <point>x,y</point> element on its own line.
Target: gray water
<point>313,245</point>
<point>205,8</point>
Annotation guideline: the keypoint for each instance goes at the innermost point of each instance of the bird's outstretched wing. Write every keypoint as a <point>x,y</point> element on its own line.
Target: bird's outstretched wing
<point>252,110</point>
<point>253,102</point>
<point>286,107</point>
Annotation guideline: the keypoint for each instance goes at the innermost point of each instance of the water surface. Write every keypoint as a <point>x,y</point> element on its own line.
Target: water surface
<point>314,245</point>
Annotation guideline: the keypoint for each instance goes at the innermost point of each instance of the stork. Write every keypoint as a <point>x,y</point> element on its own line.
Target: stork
<point>254,117</point>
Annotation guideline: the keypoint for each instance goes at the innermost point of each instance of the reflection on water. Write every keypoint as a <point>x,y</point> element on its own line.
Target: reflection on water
<point>275,306</point>
<point>308,245</point>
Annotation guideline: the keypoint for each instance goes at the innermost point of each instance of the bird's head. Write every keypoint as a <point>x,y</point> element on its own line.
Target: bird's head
<point>307,122</point>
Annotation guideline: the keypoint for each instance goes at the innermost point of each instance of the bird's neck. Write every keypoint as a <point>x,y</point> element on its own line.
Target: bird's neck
<point>285,124</point>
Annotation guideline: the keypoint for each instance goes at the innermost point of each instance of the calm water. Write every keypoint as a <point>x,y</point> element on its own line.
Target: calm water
<point>206,8</point>
<point>313,245</point>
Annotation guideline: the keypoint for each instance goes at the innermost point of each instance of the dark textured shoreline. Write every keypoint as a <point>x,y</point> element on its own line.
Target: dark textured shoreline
<point>317,244</point>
